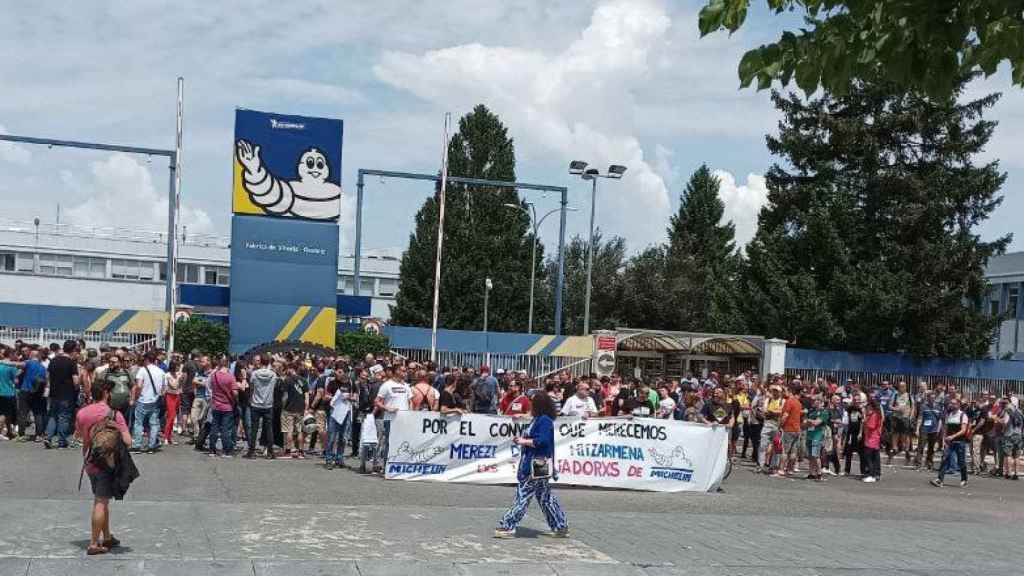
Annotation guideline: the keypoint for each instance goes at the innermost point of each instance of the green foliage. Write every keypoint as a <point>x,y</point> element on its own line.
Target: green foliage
<point>606,306</point>
<point>197,333</point>
<point>925,45</point>
<point>482,238</point>
<point>869,239</point>
<point>359,343</point>
<point>701,262</point>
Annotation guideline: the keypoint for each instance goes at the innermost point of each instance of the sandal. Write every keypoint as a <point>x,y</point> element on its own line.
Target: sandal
<point>95,550</point>
<point>111,543</point>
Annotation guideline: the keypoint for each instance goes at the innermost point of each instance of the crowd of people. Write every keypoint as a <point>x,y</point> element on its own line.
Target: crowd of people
<point>296,405</point>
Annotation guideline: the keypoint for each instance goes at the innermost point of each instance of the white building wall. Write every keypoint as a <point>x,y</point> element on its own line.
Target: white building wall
<point>51,291</point>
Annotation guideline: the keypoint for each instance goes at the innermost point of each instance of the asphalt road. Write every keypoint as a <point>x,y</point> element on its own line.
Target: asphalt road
<point>191,514</point>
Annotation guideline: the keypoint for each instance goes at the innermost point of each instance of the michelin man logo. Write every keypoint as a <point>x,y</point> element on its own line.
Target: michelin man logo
<point>311,196</point>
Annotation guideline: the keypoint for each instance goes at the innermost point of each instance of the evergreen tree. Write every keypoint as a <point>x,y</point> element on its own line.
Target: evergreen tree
<point>606,304</point>
<point>869,239</point>
<point>482,239</point>
<point>701,262</point>
<point>646,301</point>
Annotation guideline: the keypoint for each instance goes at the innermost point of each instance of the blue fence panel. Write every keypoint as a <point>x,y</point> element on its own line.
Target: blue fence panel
<point>804,359</point>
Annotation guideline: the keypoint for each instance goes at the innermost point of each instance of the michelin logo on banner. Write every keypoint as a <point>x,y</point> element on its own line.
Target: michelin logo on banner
<point>288,166</point>
<point>638,454</point>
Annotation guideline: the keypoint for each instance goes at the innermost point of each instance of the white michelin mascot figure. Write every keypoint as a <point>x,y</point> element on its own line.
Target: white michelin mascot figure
<point>311,196</point>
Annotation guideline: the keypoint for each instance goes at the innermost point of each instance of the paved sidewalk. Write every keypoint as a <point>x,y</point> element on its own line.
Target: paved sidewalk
<point>193,515</point>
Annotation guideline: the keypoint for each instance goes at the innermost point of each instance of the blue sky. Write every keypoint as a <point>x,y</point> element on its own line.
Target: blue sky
<point>614,81</point>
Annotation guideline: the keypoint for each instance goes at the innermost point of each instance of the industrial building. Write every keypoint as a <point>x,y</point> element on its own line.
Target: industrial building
<point>59,280</point>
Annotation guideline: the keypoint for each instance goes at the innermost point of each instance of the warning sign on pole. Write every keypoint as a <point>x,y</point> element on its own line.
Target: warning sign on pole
<point>604,353</point>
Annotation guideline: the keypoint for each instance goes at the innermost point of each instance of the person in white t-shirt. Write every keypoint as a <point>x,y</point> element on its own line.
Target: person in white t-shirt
<point>580,403</point>
<point>666,405</point>
<point>392,397</point>
<point>149,387</point>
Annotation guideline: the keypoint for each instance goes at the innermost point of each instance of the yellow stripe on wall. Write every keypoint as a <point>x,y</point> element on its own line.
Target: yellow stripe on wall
<point>540,344</point>
<point>144,322</point>
<point>105,319</point>
<point>323,328</point>
<point>292,323</point>
<point>575,347</point>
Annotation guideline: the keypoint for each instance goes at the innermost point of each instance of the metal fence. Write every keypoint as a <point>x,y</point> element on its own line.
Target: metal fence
<point>970,387</point>
<point>45,336</point>
<point>535,366</point>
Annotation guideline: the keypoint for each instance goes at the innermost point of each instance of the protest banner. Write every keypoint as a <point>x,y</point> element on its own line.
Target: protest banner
<point>636,454</point>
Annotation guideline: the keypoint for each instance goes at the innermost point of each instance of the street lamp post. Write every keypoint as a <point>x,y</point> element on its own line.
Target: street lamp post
<point>615,172</point>
<point>532,214</point>
<point>487,294</point>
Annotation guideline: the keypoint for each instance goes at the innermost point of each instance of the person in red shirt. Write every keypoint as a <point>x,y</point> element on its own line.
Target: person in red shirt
<point>792,417</point>
<point>874,421</point>
<point>223,398</point>
<point>101,479</point>
<point>514,403</point>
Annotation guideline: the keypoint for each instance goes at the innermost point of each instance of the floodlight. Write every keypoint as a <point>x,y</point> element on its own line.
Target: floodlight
<point>576,167</point>
<point>616,171</point>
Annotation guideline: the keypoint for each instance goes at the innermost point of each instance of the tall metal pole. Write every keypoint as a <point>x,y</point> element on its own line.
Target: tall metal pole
<point>533,268</point>
<point>560,284</point>
<point>440,238</point>
<point>487,346</point>
<point>173,204</point>
<point>359,234</point>
<point>590,257</point>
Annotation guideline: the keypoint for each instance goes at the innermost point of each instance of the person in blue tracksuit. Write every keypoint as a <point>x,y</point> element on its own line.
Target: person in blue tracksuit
<point>539,442</point>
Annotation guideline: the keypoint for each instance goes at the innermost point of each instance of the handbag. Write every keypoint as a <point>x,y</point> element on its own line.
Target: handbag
<point>540,468</point>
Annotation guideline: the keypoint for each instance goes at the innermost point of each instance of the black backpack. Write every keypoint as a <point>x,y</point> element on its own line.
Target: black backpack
<point>482,399</point>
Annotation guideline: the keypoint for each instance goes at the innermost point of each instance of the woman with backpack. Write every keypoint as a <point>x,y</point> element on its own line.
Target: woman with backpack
<point>94,421</point>
<point>424,396</point>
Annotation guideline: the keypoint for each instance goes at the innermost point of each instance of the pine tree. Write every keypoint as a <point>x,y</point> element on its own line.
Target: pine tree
<point>606,305</point>
<point>701,262</point>
<point>482,239</point>
<point>869,239</point>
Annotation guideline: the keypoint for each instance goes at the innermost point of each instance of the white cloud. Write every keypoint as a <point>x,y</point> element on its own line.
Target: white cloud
<point>575,104</point>
<point>122,194</point>
<point>304,91</point>
<point>13,153</point>
<point>742,203</point>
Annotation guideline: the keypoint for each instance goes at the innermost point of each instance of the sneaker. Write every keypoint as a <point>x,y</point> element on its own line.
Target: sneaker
<point>227,456</point>
<point>936,482</point>
<point>869,479</point>
<point>560,533</point>
<point>830,473</point>
<point>329,466</point>
<point>47,445</point>
<point>963,483</point>
<point>503,533</point>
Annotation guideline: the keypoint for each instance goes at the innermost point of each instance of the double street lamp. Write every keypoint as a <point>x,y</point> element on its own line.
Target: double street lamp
<point>615,172</point>
<point>532,214</point>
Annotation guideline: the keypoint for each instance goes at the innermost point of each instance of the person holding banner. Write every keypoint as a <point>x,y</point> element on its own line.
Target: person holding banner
<point>536,467</point>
